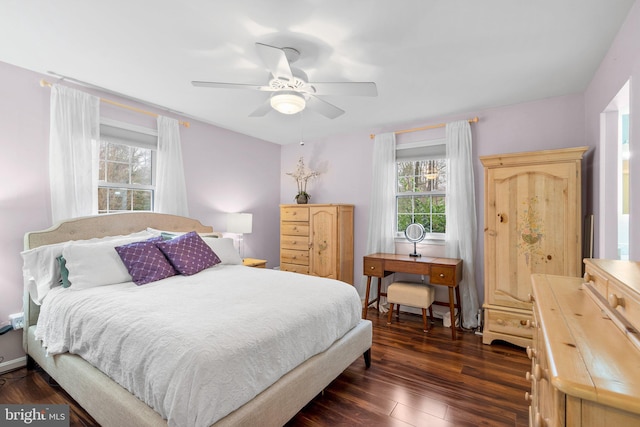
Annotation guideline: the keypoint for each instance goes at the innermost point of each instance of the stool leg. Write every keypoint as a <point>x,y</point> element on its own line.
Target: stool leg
<point>431,313</point>
<point>390,313</point>
<point>398,312</point>
<point>425,324</point>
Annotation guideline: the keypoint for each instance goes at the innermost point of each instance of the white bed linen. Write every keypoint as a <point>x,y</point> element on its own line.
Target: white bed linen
<point>196,348</point>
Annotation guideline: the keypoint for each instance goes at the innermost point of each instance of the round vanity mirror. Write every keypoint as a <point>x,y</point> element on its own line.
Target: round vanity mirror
<point>414,233</point>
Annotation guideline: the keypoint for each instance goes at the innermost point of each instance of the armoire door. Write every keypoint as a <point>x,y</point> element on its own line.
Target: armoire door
<point>323,238</point>
<point>532,227</point>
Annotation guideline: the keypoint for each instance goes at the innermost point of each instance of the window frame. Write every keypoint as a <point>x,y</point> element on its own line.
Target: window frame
<point>420,151</point>
<point>133,136</point>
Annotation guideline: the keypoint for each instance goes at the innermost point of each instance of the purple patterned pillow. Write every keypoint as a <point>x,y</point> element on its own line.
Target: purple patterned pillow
<point>145,262</point>
<point>188,253</point>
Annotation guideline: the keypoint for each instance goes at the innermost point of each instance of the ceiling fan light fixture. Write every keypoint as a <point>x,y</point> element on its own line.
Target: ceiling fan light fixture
<point>288,102</point>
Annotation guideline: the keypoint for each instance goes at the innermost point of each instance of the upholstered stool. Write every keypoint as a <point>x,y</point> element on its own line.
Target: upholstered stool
<point>414,295</point>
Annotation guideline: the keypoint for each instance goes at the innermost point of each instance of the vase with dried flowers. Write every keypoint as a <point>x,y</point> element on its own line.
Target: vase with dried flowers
<point>302,175</point>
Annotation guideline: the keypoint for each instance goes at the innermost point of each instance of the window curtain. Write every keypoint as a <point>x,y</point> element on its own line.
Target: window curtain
<point>380,237</point>
<point>461,215</point>
<point>171,190</point>
<point>73,153</point>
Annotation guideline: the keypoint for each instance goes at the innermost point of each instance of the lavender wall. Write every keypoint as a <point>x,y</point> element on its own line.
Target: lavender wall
<point>621,63</point>
<point>345,161</point>
<point>224,172</point>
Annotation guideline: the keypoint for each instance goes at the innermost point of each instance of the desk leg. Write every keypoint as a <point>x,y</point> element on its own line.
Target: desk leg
<point>459,301</point>
<point>366,298</point>
<point>452,310</point>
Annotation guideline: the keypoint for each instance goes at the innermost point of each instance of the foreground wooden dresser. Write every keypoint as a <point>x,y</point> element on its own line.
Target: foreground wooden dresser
<point>317,240</point>
<point>585,356</point>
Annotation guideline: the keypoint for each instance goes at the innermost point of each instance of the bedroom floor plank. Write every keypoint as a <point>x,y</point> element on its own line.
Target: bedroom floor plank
<point>415,379</point>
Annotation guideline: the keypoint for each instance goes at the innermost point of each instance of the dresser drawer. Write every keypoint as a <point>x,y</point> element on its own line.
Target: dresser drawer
<point>511,323</point>
<point>294,242</point>
<point>373,267</point>
<point>294,214</point>
<point>625,302</point>
<point>442,275</point>
<point>597,280</point>
<point>290,256</point>
<point>294,228</point>
<point>302,269</point>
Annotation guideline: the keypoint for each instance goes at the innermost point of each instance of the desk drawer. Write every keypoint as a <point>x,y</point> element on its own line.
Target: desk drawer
<point>511,323</point>
<point>441,275</point>
<point>294,214</point>
<point>290,256</point>
<point>373,267</point>
<point>295,229</point>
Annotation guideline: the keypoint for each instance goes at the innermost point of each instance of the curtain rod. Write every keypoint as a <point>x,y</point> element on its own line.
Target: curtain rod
<point>44,83</point>
<point>439,125</point>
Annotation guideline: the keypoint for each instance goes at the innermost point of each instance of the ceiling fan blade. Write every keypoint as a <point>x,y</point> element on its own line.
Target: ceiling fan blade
<point>323,107</point>
<point>276,60</point>
<point>262,110</point>
<point>232,86</point>
<point>345,88</point>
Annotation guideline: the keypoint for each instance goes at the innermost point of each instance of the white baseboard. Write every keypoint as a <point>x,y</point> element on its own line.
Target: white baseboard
<point>11,365</point>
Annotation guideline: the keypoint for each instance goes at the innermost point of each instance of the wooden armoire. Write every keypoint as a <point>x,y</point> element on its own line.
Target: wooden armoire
<point>317,239</point>
<point>532,224</point>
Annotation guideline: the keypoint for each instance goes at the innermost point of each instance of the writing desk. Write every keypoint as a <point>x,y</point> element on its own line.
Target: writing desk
<point>441,271</point>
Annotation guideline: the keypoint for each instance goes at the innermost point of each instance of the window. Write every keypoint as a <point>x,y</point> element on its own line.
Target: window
<point>126,168</point>
<point>421,184</point>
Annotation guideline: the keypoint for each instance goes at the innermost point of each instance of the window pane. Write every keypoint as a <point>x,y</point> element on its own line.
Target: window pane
<point>119,199</point>
<point>405,204</point>
<point>438,222</point>
<point>118,152</point>
<point>103,205</point>
<point>438,204</point>
<point>141,166</point>
<point>117,173</point>
<point>142,200</point>
<point>403,222</point>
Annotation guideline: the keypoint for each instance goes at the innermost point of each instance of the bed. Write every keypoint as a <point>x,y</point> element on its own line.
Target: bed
<point>113,405</point>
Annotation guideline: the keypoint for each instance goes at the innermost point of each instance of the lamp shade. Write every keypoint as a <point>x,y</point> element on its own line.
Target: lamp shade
<point>240,223</point>
<point>288,102</point>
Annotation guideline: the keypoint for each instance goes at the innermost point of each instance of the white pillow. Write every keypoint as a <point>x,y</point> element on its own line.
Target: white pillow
<point>224,248</point>
<point>157,232</point>
<point>40,268</point>
<point>97,264</point>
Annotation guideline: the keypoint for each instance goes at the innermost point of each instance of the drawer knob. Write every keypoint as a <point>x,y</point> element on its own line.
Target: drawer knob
<point>615,300</point>
<point>528,397</point>
<point>531,352</point>
<point>531,298</point>
<point>538,372</point>
<point>372,268</point>
<point>500,321</point>
<point>587,277</point>
<point>442,275</point>
<point>531,323</point>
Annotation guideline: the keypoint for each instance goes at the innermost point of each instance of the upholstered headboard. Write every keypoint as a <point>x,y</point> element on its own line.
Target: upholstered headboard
<point>100,226</point>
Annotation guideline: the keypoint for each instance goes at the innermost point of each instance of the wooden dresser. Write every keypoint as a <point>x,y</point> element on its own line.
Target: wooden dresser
<point>585,355</point>
<point>317,240</point>
<point>532,224</point>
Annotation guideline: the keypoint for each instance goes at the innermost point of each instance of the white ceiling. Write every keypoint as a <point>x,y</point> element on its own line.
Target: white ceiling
<point>429,58</point>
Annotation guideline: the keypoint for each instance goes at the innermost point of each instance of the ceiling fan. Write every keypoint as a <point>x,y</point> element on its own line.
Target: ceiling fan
<point>291,90</point>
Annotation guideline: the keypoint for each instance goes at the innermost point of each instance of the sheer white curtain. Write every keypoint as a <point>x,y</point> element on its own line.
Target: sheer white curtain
<point>73,153</point>
<point>171,190</point>
<point>461,215</point>
<point>380,237</point>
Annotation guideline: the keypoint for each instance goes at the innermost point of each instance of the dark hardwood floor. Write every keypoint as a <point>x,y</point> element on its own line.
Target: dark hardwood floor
<point>415,379</point>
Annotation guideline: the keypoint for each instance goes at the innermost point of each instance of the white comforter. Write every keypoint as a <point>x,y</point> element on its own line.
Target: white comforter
<point>196,348</point>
